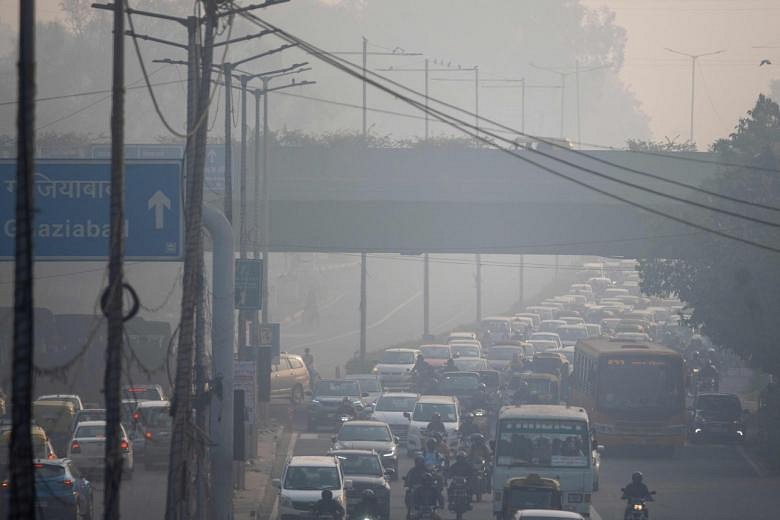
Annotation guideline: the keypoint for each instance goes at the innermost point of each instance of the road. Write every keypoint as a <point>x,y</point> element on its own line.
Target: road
<point>143,497</point>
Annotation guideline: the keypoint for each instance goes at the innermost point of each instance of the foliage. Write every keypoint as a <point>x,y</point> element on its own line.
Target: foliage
<point>733,287</point>
<point>666,145</point>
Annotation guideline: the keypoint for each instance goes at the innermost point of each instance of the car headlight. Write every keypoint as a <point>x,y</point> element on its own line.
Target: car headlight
<point>285,501</point>
<point>375,370</point>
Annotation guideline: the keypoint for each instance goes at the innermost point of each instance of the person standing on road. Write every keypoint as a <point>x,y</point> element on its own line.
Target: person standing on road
<point>308,360</point>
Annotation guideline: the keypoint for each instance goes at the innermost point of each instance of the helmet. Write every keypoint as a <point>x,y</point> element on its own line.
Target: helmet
<point>461,456</point>
<point>469,417</point>
<point>427,479</point>
<point>419,461</point>
<point>436,416</point>
<point>368,495</point>
<point>636,478</point>
<point>327,494</point>
<point>477,438</point>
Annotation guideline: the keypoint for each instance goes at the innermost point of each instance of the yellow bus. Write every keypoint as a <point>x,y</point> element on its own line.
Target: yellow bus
<point>634,392</point>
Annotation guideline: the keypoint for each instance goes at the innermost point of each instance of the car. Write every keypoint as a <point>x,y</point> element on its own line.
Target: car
<point>466,386</point>
<point>56,417</point>
<point>42,447</point>
<point>496,328</point>
<point>89,414</point>
<point>289,378</point>
<point>369,384</point>
<point>500,356</point>
<point>536,319</point>
<point>522,326</point>
<point>543,345</point>
<point>61,491</point>
<point>87,448</point>
<point>551,362</point>
<point>390,409</point>
<point>594,330</point>
<point>436,355</point>
<point>71,398</point>
<point>446,406</point>
<point>144,392</point>
<point>571,334</point>
<point>468,350</point>
<point>303,480</point>
<point>717,417</point>
<point>547,336</point>
<point>326,399</point>
<point>369,435</point>
<point>572,320</point>
<point>395,367</point>
<point>154,420</point>
<point>454,336</point>
<point>545,313</point>
<point>547,514</point>
<point>551,325</point>
<point>364,468</point>
<point>471,364</point>
<point>568,352</point>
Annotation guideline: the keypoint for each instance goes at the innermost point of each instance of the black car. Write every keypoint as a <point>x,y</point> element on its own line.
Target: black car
<point>364,468</point>
<point>466,386</point>
<point>717,417</point>
<point>326,400</point>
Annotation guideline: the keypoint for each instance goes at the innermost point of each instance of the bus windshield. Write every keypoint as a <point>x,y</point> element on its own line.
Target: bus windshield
<point>651,386</point>
<point>543,443</point>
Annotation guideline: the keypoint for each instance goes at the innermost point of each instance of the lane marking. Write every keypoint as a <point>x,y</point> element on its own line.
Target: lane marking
<point>290,450</point>
<point>594,515</point>
<point>757,469</point>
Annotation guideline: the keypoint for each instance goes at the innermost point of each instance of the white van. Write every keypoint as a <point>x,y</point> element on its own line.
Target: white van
<point>304,479</point>
<point>446,406</point>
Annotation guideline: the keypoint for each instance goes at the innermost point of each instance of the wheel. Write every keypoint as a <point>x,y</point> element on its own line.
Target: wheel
<point>296,396</point>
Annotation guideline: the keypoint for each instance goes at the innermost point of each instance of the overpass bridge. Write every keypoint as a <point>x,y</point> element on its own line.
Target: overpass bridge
<point>447,199</point>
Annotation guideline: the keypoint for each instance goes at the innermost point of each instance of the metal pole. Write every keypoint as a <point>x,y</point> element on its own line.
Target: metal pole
<point>563,100</point>
<point>266,203</point>
<point>693,92</point>
<point>476,100</point>
<point>222,334</point>
<point>242,181</point>
<point>21,450</point>
<point>228,72</point>
<point>427,116</point>
<point>426,297</point>
<point>522,123</point>
<point>365,85</point>
<point>256,216</point>
<point>112,476</point>
<point>479,287</point>
<point>363,308</point>
<point>521,283</point>
<point>577,78</point>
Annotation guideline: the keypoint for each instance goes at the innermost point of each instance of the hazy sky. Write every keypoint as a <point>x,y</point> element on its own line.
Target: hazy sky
<point>727,84</point>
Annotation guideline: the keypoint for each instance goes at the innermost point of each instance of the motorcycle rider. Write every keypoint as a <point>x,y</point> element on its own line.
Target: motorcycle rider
<point>424,374</point>
<point>436,425</point>
<point>427,494</point>
<point>461,467</point>
<point>637,488</point>
<point>327,506</point>
<point>450,366</point>
<point>479,450</point>
<point>469,427</point>
<point>347,408</point>
<point>710,372</point>
<point>368,507</point>
<point>414,476</point>
<point>433,456</point>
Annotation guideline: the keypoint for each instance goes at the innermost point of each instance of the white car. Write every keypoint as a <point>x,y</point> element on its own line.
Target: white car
<point>456,336</point>
<point>542,345</point>
<point>571,334</point>
<point>471,364</point>
<point>546,514</point>
<point>87,448</point>
<point>465,350</point>
<point>304,479</point>
<point>547,336</point>
<point>391,407</point>
<point>449,410</point>
<point>395,367</point>
<point>500,356</point>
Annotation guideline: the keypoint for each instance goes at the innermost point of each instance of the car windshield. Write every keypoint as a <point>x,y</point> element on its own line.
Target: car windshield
<point>572,333</point>
<point>395,404</point>
<point>359,464</point>
<point>435,352</point>
<point>465,350</point>
<point>470,363</point>
<point>638,385</point>
<point>725,406</point>
<point>312,478</point>
<point>83,432</point>
<point>48,471</point>
<point>543,346</point>
<point>459,382</point>
<point>378,433</point>
<point>156,417</point>
<point>368,384</point>
<point>504,354</point>
<point>495,325</point>
<point>543,442</point>
<point>424,412</point>
<point>391,357</point>
<point>530,498</point>
<point>91,415</point>
<point>338,388</point>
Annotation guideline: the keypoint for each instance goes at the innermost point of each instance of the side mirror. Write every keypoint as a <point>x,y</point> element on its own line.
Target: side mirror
<point>348,484</point>
<point>276,483</point>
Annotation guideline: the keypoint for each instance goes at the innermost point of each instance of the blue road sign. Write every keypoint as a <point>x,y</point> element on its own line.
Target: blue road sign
<point>71,199</point>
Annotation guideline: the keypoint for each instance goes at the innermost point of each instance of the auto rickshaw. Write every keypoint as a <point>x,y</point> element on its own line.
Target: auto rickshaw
<point>533,388</point>
<point>529,492</point>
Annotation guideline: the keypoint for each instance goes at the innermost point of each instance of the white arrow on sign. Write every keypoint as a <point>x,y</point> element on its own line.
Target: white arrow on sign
<point>159,201</point>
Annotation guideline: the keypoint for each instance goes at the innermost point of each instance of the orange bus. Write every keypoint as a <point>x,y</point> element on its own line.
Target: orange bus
<point>634,392</point>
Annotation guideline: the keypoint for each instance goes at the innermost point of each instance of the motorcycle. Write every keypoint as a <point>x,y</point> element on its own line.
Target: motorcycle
<point>637,507</point>
<point>459,497</point>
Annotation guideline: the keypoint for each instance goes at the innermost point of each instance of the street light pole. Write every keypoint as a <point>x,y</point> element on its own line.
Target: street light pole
<point>694,58</point>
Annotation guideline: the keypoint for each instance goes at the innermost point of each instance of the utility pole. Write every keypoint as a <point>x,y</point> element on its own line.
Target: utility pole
<point>228,204</point>
<point>478,278</point>
<point>112,477</point>
<point>427,115</point>
<point>22,476</point>
<point>693,58</point>
<point>365,84</point>
<point>426,298</point>
<point>512,83</point>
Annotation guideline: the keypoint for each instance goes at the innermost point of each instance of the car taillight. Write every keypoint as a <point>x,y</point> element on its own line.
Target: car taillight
<point>148,435</point>
<point>124,446</point>
<point>52,456</point>
<point>67,482</point>
<point>136,416</point>
<point>5,484</point>
<point>75,447</point>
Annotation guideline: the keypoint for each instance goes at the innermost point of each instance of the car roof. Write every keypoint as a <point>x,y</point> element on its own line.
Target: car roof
<point>92,423</point>
<point>549,513</point>
<point>413,350</point>
<point>434,399</point>
<point>542,411</point>
<point>437,345</point>
<point>312,460</point>
<point>399,394</point>
<point>153,404</point>
<point>365,423</point>
<point>353,452</point>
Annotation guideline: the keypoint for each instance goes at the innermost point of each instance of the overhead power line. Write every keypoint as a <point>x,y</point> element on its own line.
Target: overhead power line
<point>464,126</point>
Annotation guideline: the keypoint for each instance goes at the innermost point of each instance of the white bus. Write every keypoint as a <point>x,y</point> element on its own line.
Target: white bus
<point>551,441</point>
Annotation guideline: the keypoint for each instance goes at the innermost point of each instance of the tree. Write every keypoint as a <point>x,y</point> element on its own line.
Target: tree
<point>732,287</point>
